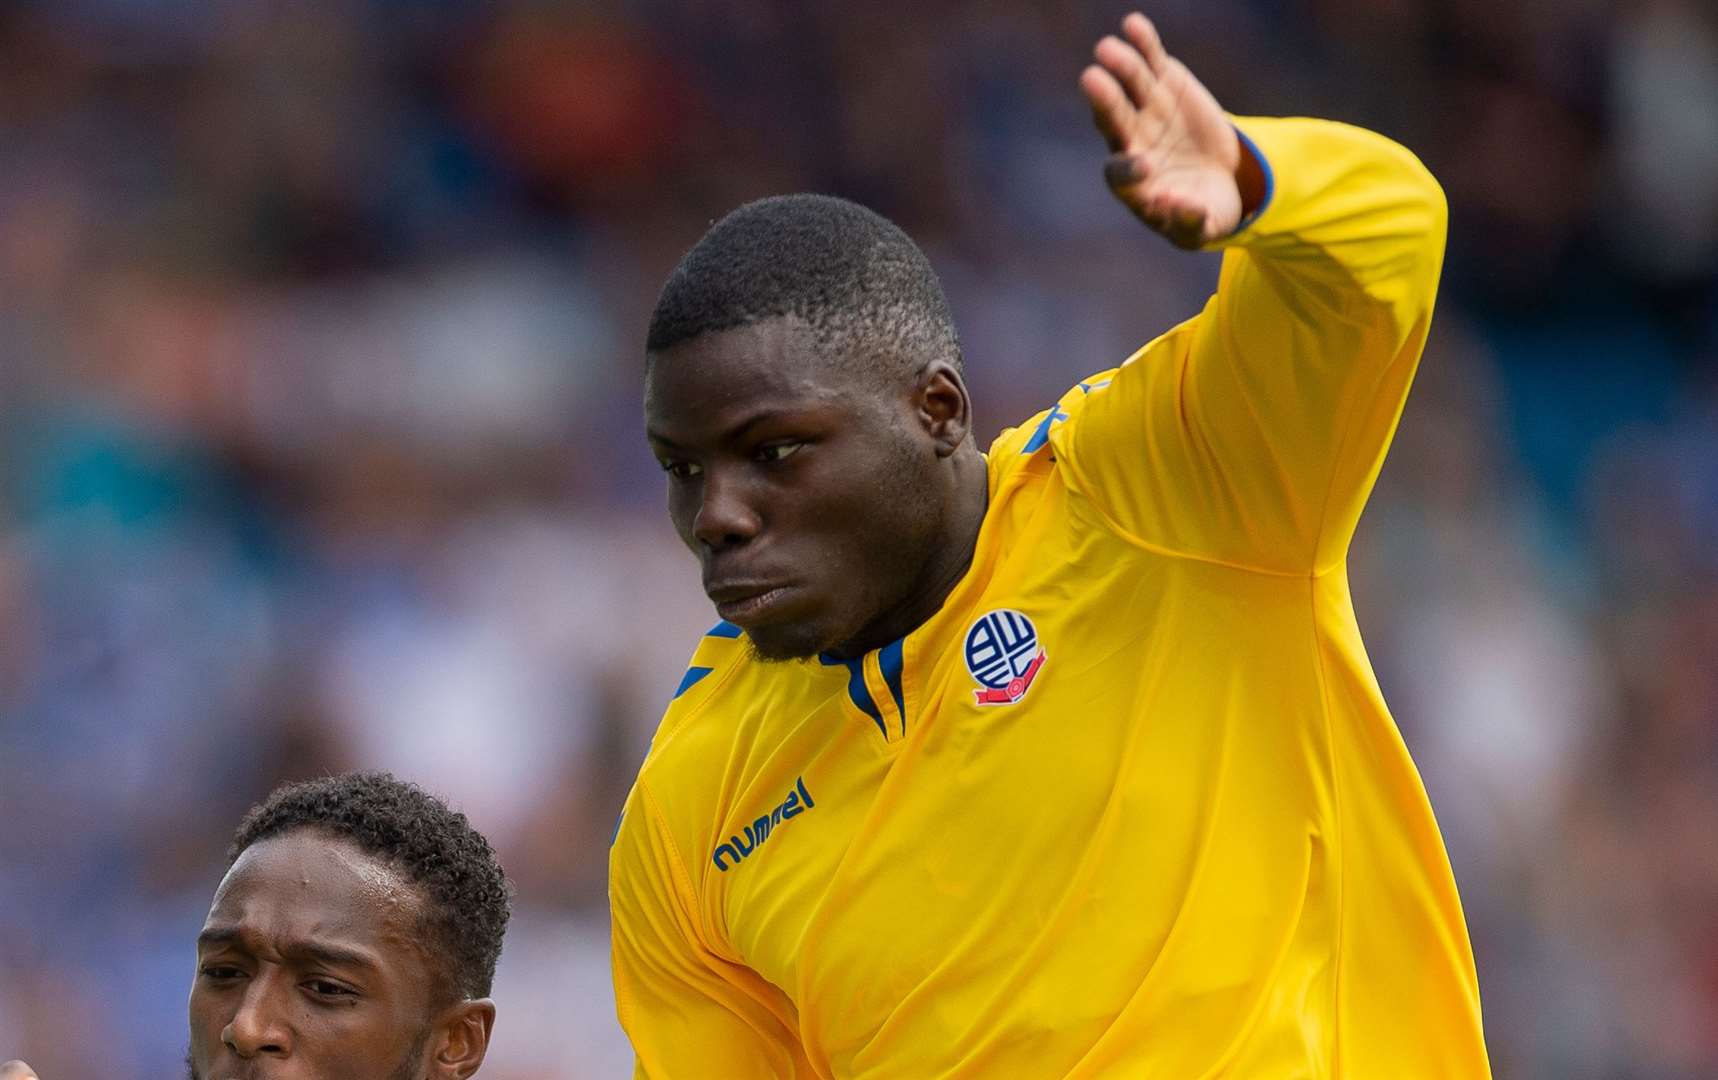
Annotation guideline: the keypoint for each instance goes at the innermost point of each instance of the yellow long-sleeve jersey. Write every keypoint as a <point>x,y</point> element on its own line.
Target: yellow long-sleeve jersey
<point>1131,803</point>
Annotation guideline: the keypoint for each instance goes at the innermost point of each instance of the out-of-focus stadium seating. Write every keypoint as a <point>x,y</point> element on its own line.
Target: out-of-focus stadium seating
<point>320,333</point>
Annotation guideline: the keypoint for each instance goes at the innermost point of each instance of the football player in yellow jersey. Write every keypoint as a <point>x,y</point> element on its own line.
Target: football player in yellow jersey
<point>1063,759</point>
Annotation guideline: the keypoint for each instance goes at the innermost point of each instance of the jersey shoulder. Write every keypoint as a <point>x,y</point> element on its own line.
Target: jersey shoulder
<point>727,714</point>
<point>719,656</point>
<point>731,724</point>
<point>1017,446</point>
<point>687,751</point>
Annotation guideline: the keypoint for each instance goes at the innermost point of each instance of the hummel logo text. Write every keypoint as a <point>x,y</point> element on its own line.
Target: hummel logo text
<point>798,801</point>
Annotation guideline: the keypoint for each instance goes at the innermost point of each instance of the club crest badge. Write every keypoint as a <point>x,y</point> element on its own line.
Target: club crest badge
<point>1004,655</point>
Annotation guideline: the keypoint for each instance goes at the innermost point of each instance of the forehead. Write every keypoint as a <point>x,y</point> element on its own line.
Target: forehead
<point>309,886</point>
<point>772,363</point>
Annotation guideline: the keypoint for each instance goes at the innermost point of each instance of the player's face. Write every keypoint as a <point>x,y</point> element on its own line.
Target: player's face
<point>311,964</point>
<point>809,492</point>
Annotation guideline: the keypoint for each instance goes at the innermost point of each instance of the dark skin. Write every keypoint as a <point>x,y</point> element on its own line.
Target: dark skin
<point>833,508</point>
<point>313,962</point>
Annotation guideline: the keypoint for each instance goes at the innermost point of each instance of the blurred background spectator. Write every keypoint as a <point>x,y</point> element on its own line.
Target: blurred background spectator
<point>320,335</point>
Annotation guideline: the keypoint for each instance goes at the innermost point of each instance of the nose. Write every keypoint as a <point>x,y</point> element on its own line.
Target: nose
<point>725,518</point>
<point>259,1026</point>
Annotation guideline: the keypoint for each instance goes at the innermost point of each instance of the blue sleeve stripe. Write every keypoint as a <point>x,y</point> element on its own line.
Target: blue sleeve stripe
<point>725,629</point>
<point>1042,434</point>
<point>691,679</point>
<point>1270,179</point>
<point>889,659</point>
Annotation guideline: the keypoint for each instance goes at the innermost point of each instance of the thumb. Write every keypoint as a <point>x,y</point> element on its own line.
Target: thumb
<point>17,1070</point>
<point>1123,170</point>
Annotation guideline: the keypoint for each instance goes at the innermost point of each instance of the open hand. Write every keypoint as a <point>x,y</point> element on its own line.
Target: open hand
<point>1174,155</point>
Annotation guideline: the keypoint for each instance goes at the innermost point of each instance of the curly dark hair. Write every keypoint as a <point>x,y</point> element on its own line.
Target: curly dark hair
<point>406,827</point>
<point>859,282</point>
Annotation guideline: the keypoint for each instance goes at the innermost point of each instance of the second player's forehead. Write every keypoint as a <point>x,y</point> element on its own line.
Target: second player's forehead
<point>309,886</point>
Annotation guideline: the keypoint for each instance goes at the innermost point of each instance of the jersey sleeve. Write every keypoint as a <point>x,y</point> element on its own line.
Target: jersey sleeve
<point>1252,433</point>
<point>688,1011</point>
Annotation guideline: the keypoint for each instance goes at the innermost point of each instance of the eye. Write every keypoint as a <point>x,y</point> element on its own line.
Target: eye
<point>779,451</point>
<point>220,972</point>
<point>327,989</point>
<point>681,470</point>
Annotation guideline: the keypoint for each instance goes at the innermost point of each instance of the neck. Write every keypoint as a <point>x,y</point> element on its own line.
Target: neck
<point>949,562</point>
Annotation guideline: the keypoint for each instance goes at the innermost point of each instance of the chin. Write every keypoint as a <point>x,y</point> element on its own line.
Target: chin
<point>788,641</point>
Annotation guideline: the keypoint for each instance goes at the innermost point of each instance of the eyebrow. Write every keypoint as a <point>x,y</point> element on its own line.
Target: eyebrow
<point>325,953</point>
<point>733,433</point>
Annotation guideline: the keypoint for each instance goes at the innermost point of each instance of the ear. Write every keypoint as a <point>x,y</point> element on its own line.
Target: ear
<point>944,407</point>
<point>461,1038</point>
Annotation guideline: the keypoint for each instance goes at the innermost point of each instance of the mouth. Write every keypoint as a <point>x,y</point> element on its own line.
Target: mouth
<point>748,605</point>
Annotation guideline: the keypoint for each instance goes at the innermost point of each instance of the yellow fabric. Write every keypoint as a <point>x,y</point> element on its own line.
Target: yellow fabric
<point>1196,845</point>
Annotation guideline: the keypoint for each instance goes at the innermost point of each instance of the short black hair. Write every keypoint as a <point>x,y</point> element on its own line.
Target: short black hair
<point>851,275</point>
<point>408,828</point>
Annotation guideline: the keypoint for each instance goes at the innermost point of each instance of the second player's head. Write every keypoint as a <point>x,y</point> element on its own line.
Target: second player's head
<point>804,393</point>
<point>355,934</point>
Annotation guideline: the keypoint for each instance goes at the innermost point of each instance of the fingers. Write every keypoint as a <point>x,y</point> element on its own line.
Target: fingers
<point>1119,86</point>
<point>1143,35</point>
<point>1111,111</point>
<point>17,1070</point>
<point>1128,67</point>
<point>1137,60</point>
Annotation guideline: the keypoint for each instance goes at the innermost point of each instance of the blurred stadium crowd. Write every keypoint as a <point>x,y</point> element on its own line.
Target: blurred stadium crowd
<point>320,334</point>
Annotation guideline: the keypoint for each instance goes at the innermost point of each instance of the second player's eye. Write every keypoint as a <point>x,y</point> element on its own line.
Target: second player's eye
<point>220,972</point>
<point>682,470</point>
<point>779,451</point>
<point>327,989</point>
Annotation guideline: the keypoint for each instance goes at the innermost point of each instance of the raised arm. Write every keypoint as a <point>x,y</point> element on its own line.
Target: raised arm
<point>687,1011</point>
<point>1252,434</point>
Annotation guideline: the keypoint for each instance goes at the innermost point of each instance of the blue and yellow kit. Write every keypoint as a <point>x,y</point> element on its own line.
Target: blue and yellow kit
<point>1131,803</point>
